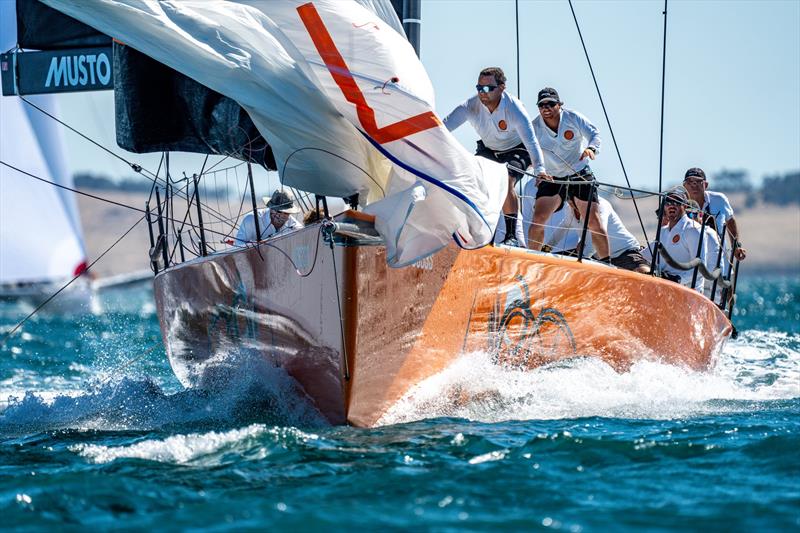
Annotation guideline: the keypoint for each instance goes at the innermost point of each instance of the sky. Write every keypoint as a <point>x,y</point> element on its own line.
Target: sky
<point>732,97</point>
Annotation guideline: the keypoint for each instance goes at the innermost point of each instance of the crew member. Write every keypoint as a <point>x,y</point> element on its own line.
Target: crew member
<point>568,142</point>
<point>679,236</point>
<point>714,204</point>
<point>506,133</point>
<point>274,220</point>
<point>625,250</point>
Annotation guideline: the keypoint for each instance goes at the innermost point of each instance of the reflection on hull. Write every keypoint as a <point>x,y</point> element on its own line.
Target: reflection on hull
<point>397,327</point>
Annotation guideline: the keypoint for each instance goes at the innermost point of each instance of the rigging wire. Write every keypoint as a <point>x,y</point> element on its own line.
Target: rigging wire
<point>608,121</point>
<point>328,224</point>
<point>100,198</point>
<point>516,20</point>
<point>50,298</point>
<point>134,166</point>
<point>663,78</point>
<point>76,191</point>
<point>655,260</point>
<point>610,186</point>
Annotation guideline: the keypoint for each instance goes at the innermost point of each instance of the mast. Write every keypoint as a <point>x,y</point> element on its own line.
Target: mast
<point>412,22</point>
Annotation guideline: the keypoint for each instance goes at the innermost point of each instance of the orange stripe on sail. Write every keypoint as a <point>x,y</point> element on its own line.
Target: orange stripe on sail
<point>347,84</point>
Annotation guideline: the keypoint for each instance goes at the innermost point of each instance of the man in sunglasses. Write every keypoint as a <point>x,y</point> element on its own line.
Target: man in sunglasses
<point>568,142</point>
<point>714,205</point>
<point>680,236</point>
<point>507,136</point>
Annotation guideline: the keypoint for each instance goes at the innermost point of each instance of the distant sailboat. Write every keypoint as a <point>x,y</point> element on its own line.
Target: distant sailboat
<point>41,242</point>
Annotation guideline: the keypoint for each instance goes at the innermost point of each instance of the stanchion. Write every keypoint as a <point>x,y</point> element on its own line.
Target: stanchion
<point>586,215</point>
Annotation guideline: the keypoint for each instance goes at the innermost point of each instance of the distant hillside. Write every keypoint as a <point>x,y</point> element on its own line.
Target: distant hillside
<point>776,189</point>
<point>100,182</point>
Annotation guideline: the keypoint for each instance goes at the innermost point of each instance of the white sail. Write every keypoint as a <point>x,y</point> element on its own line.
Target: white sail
<point>340,96</point>
<point>40,235</point>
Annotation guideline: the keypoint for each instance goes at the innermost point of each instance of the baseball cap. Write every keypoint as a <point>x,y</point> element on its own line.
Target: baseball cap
<point>695,172</point>
<point>678,194</point>
<point>548,94</point>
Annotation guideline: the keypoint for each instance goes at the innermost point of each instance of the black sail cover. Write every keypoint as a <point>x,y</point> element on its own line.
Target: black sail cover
<point>159,109</point>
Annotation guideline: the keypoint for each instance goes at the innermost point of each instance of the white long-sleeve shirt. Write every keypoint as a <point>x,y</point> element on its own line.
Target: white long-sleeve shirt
<point>562,149</point>
<point>247,227</point>
<point>502,129</point>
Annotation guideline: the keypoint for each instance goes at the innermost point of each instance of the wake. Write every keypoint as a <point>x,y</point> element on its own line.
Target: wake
<point>759,366</point>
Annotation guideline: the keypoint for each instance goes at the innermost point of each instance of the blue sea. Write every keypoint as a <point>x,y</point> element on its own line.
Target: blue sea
<point>95,431</point>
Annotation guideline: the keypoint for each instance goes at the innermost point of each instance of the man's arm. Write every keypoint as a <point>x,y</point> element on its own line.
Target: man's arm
<point>589,131</point>
<point>524,128</point>
<point>456,117</point>
<point>246,230</point>
<point>733,229</point>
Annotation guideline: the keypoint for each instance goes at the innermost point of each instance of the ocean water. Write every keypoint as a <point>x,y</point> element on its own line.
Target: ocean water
<point>95,431</point>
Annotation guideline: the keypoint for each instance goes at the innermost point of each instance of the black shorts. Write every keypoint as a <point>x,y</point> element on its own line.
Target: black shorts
<point>630,259</point>
<point>517,157</point>
<point>572,190</point>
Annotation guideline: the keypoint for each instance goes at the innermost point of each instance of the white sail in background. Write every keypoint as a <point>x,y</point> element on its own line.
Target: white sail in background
<point>340,96</point>
<point>40,235</point>
<point>37,239</point>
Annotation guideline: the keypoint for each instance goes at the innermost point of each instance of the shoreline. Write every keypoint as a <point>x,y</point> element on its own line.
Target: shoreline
<point>768,232</point>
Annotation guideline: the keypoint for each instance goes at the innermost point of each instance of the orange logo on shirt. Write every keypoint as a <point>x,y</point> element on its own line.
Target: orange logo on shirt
<point>675,239</point>
<point>502,125</point>
<point>569,134</point>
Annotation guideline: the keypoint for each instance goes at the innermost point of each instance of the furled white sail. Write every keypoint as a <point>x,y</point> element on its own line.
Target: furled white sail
<point>40,235</point>
<point>340,96</point>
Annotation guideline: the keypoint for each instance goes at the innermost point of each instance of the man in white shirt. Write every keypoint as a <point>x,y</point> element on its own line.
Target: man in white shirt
<point>506,133</point>
<point>568,142</point>
<point>680,237</point>
<point>274,220</point>
<point>625,250</point>
<point>714,204</point>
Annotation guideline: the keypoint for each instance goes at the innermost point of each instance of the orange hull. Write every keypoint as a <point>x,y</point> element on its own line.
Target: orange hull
<point>401,326</point>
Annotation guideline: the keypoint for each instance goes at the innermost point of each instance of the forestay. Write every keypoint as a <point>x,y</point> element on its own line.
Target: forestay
<point>340,96</point>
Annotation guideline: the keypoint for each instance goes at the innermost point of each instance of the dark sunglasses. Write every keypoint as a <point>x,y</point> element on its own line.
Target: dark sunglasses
<point>676,203</point>
<point>548,105</point>
<point>694,181</point>
<point>485,88</point>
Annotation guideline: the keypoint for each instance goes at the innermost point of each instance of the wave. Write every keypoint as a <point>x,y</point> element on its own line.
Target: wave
<point>210,448</point>
<point>759,366</point>
<point>234,394</point>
